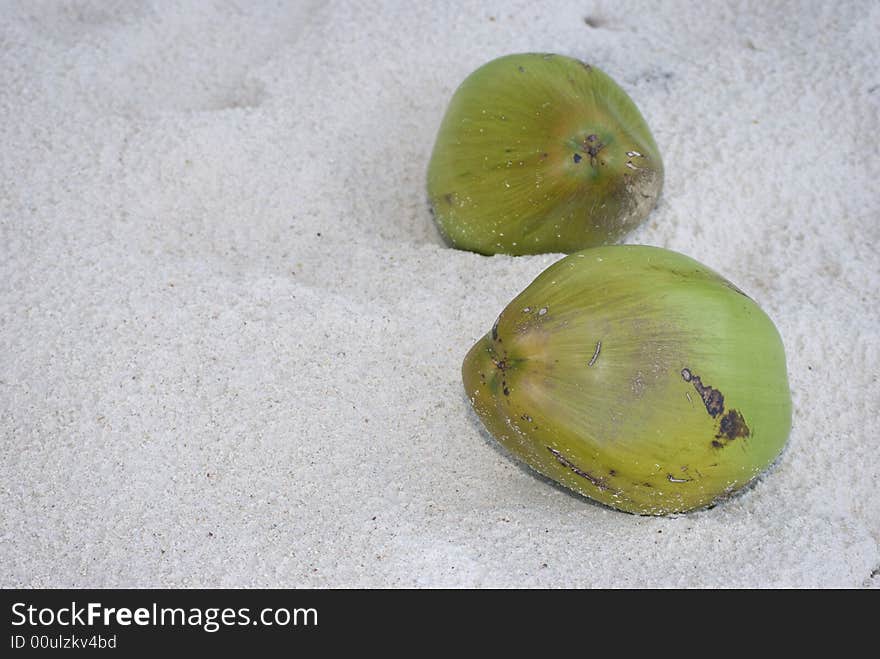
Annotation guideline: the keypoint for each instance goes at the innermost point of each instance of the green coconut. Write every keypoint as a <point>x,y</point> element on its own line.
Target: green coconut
<point>637,377</point>
<point>541,153</point>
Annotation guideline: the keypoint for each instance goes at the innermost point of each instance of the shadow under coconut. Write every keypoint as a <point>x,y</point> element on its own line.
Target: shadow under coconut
<point>496,446</point>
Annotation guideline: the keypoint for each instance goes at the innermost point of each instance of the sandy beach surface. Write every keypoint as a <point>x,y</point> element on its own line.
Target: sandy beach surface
<point>231,336</point>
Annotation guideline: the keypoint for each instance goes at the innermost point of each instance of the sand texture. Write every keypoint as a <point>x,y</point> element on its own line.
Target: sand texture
<point>231,336</point>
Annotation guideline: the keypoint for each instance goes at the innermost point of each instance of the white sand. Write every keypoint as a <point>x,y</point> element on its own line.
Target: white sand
<point>230,336</point>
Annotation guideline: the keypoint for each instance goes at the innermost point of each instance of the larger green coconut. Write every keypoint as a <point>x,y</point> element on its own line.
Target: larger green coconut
<point>637,377</point>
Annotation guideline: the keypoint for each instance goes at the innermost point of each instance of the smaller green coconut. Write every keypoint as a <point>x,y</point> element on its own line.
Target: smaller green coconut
<point>541,153</point>
<point>637,377</point>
